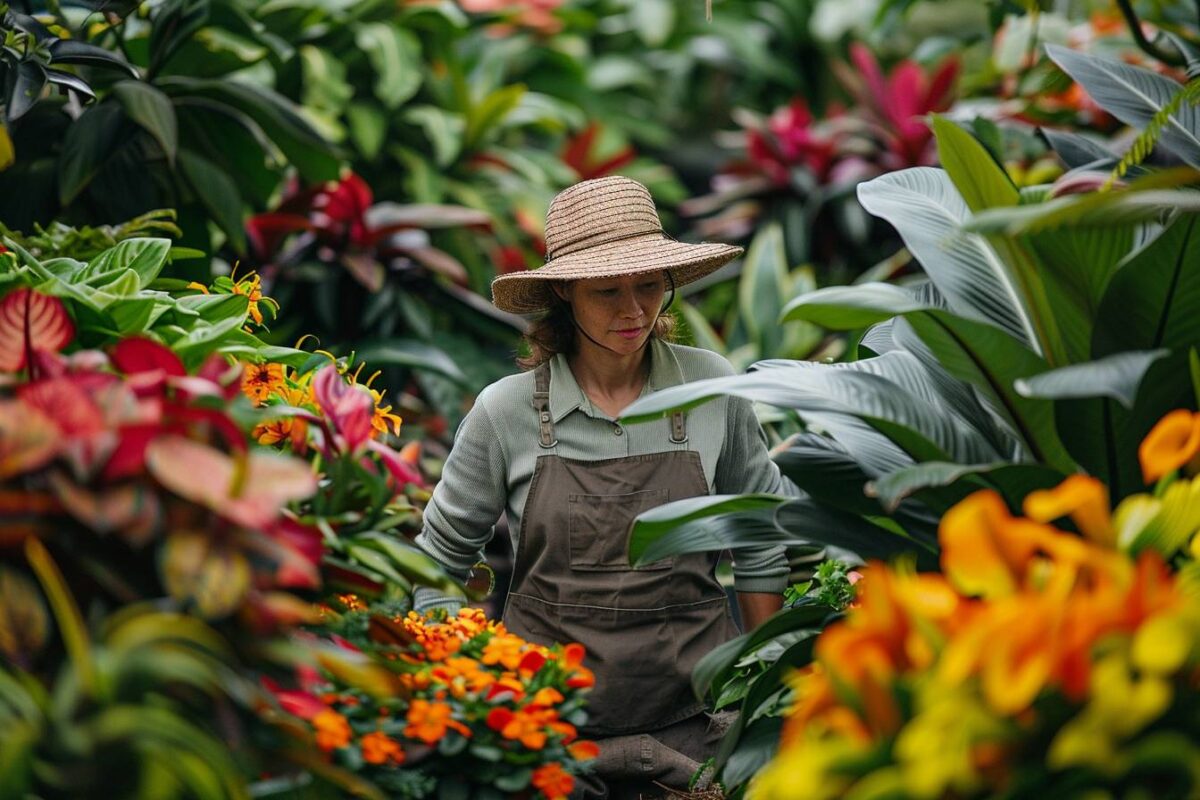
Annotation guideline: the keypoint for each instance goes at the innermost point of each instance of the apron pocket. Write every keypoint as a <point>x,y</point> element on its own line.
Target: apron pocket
<point>598,528</point>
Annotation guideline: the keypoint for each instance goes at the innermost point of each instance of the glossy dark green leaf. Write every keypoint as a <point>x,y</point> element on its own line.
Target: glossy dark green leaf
<point>174,23</point>
<point>73,51</point>
<point>395,55</point>
<point>88,144</point>
<point>278,118</point>
<point>1153,300</point>
<point>70,81</point>
<point>27,83</point>
<point>150,109</point>
<point>218,194</point>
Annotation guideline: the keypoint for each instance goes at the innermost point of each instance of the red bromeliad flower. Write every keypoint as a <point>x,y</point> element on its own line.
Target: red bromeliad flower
<point>898,102</point>
<point>791,139</point>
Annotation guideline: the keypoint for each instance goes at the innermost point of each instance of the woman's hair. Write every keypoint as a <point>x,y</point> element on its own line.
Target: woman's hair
<point>554,332</point>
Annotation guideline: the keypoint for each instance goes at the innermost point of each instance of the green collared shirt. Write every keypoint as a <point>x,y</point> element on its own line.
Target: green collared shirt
<point>490,467</point>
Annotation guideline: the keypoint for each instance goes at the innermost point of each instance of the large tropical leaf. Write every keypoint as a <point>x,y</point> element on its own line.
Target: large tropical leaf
<point>918,424</point>
<point>1153,299</point>
<point>1133,95</point>
<point>653,524</point>
<point>1013,481</point>
<point>1117,376</point>
<point>763,286</point>
<point>979,354</point>
<point>927,211</point>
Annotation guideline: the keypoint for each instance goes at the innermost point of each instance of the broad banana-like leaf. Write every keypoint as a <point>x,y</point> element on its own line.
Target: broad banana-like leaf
<point>1117,376</point>
<point>1153,300</point>
<point>1133,95</point>
<point>922,423</point>
<point>653,524</point>
<point>924,207</point>
<point>1013,481</point>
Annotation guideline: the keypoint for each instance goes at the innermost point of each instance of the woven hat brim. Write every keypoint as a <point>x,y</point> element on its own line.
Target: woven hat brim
<point>529,292</point>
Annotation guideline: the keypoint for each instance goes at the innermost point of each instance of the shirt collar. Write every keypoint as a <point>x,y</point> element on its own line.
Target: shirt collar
<point>566,396</point>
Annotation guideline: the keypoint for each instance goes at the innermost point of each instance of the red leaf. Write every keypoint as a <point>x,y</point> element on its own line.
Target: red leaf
<point>28,438</point>
<point>266,232</point>
<point>31,321</point>
<point>139,354</point>
<point>61,399</point>
<point>575,155</point>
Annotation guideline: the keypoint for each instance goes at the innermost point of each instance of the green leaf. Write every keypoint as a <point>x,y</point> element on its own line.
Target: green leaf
<point>218,193</point>
<point>73,51</point>
<point>713,669</point>
<point>26,83</point>
<point>763,286</point>
<point>279,119</point>
<point>979,179</point>
<point>653,524</point>
<point>66,613</point>
<point>904,400</point>
<point>88,143</point>
<point>24,622</point>
<point>927,211</point>
<point>1133,95</point>
<point>145,256</point>
<point>1013,480</point>
<point>1153,300</point>
<point>410,353</point>
<point>444,129</point>
<point>1117,376</point>
<point>395,55</point>
<point>411,562</point>
<point>368,128</point>
<point>174,22</point>
<point>151,110</point>
<point>486,115</point>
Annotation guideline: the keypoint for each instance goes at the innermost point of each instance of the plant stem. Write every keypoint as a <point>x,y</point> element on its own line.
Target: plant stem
<point>1147,46</point>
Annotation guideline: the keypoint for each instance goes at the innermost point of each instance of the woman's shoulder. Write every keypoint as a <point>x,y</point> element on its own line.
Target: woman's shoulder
<point>696,364</point>
<point>506,394</point>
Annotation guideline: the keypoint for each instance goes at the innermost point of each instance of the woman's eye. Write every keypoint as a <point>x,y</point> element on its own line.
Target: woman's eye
<point>607,292</point>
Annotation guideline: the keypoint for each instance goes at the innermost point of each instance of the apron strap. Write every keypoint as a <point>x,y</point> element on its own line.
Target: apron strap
<point>541,403</point>
<point>678,428</point>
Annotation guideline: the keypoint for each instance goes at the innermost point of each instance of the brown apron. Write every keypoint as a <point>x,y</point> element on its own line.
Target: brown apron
<point>644,628</point>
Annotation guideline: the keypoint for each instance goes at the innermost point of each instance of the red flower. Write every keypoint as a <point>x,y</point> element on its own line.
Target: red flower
<point>791,140</point>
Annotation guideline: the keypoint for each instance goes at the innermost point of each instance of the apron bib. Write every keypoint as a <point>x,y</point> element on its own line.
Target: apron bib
<point>644,628</point>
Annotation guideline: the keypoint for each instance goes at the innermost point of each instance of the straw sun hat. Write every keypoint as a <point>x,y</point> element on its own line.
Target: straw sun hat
<point>605,228</point>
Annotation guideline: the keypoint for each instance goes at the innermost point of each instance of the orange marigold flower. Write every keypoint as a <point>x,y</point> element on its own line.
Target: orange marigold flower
<point>547,696</point>
<point>429,722</point>
<point>1173,442</point>
<point>379,748</point>
<point>504,649</point>
<point>260,381</point>
<point>582,678</point>
<point>333,731</point>
<point>552,781</point>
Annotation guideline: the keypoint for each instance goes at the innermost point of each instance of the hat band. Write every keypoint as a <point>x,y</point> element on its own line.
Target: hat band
<point>597,239</point>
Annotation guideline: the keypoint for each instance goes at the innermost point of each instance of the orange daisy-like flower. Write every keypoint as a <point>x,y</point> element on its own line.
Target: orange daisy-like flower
<point>250,288</point>
<point>505,649</point>
<point>429,722</point>
<point>333,731</point>
<point>553,781</point>
<point>1172,443</point>
<point>379,748</point>
<point>260,381</point>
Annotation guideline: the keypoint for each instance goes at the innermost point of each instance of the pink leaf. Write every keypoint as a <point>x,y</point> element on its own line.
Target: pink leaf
<point>31,321</point>
<point>28,438</point>
<point>403,472</point>
<point>206,476</point>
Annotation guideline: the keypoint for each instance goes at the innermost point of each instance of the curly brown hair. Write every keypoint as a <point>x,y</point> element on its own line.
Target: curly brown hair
<point>554,332</point>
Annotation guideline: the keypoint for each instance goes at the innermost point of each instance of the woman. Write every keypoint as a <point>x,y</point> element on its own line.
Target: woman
<point>545,447</point>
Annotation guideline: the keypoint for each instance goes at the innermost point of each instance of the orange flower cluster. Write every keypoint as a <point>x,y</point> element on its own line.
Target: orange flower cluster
<point>948,668</point>
<point>462,678</point>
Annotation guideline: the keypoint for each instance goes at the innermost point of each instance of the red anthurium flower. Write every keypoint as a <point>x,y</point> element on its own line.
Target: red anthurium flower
<point>340,211</point>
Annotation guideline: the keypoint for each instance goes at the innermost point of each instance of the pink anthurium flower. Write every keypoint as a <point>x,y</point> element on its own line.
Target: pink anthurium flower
<point>350,407</point>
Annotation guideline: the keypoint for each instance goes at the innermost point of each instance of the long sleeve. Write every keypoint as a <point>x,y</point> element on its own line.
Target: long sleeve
<point>745,467</point>
<point>465,505</point>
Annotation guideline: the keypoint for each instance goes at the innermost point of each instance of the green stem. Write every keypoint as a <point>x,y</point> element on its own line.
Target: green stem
<point>1147,46</point>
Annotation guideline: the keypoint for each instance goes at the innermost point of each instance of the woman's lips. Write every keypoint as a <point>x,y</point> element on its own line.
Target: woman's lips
<point>631,333</point>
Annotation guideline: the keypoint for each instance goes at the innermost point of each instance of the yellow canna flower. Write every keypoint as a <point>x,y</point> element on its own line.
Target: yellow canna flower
<point>1171,443</point>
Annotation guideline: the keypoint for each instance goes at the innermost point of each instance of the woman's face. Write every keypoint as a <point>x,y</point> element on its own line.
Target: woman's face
<point>617,312</point>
